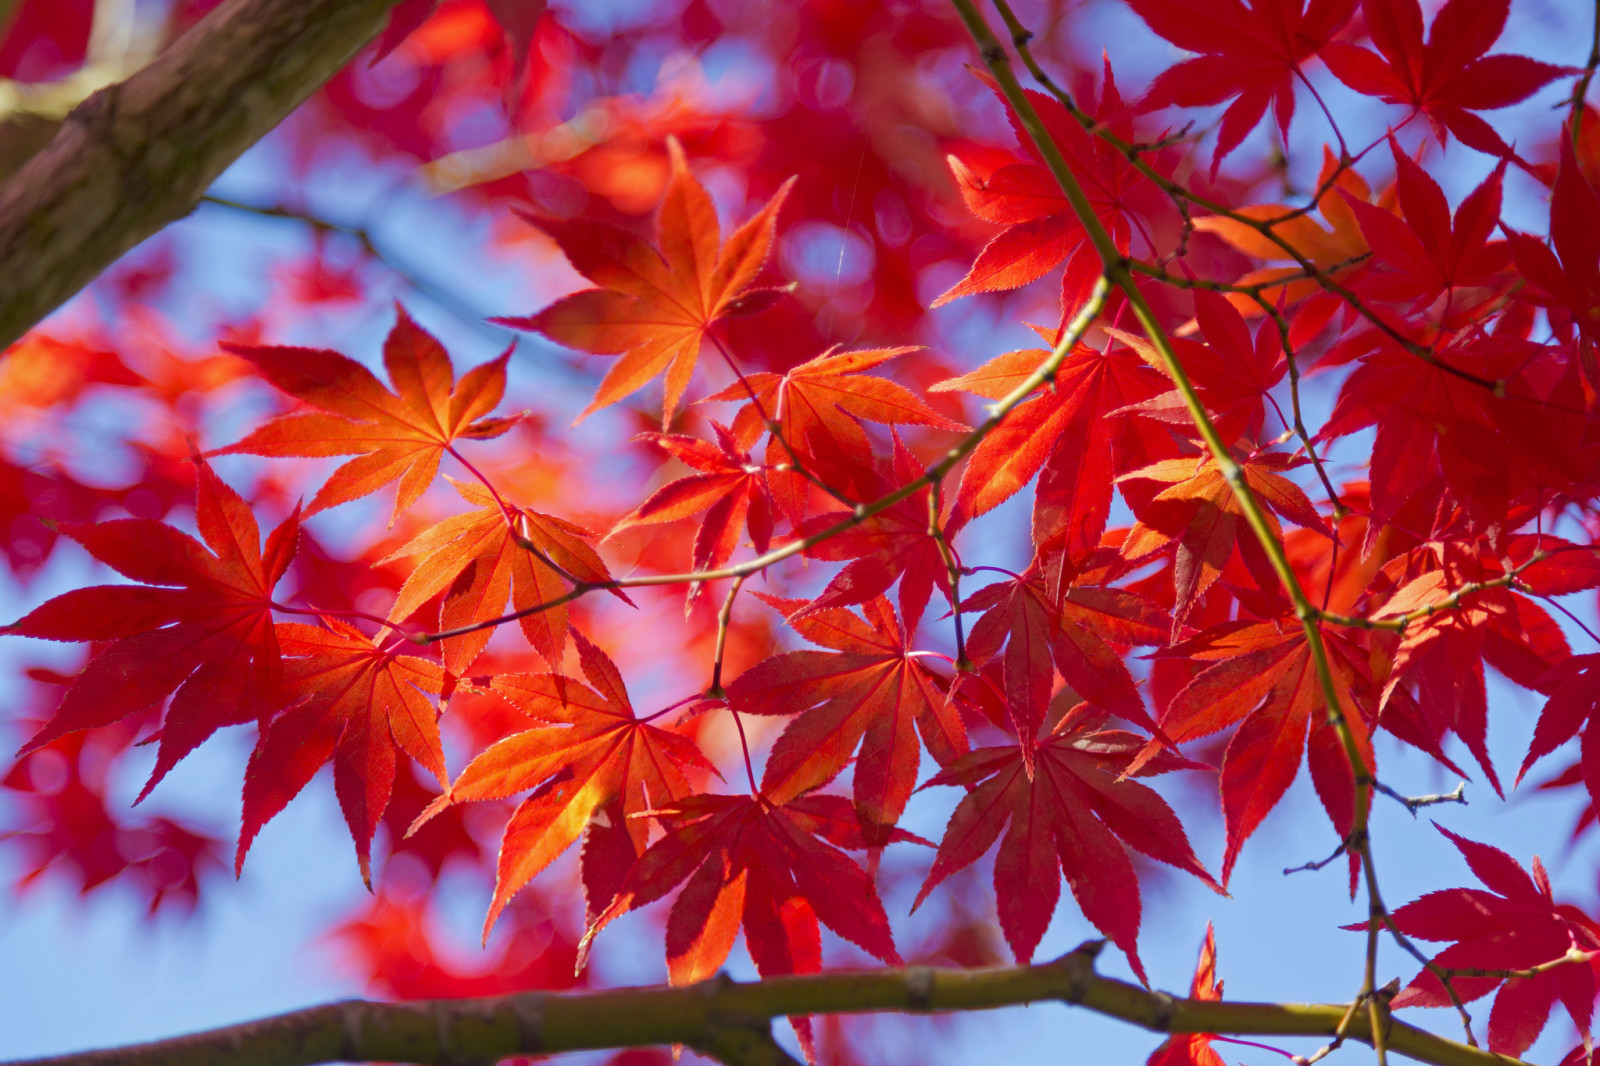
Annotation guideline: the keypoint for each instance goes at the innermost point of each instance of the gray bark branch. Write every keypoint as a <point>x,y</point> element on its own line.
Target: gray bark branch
<point>726,1018</point>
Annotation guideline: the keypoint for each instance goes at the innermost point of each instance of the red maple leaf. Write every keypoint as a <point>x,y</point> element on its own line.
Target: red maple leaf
<point>1443,653</point>
<point>1065,433</point>
<point>354,704</point>
<point>653,307</point>
<point>476,560</point>
<point>1516,925</point>
<point>1568,287</point>
<point>1071,630</point>
<point>1575,698</point>
<point>1262,677</point>
<point>1073,816</point>
<point>1435,425</point>
<point>817,409</point>
<point>1200,515</point>
<point>1194,1049</point>
<point>1447,78</point>
<point>774,868</point>
<point>399,434</point>
<point>892,545</point>
<point>1253,53</point>
<point>1426,255</point>
<point>1041,229</point>
<point>1233,372</point>
<point>199,628</point>
<point>729,487</point>
<point>869,691</point>
<point>593,765</point>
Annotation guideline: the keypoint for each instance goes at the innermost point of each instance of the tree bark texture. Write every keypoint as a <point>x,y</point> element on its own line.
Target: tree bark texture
<point>138,155</point>
<point>729,1020</point>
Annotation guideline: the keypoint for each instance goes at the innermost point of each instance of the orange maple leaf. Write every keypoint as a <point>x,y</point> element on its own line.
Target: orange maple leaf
<point>1331,249</point>
<point>591,755</point>
<point>818,408</point>
<point>652,307</point>
<point>1201,514</point>
<point>397,434</point>
<point>476,560</point>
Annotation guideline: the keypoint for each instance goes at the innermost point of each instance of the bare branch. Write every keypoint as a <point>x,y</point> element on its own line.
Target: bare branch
<point>724,1018</point>
<point>1416,803</point>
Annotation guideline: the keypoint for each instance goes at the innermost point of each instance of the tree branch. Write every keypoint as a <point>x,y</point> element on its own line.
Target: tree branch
<point>724,1018</point>
<point>138,155</point>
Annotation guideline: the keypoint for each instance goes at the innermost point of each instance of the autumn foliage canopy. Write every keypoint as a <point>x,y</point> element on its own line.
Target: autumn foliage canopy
<point>877,397</point>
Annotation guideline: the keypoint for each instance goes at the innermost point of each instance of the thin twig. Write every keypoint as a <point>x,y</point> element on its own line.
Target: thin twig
<point>1416,803</point>
<point>377,250</point>
<point>1319,863</point>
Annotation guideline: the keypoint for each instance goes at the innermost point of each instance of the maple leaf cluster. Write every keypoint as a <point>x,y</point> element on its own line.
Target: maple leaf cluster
<point>792,547</point>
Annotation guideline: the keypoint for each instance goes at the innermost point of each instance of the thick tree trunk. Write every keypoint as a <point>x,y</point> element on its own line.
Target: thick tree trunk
<point>138,155</point>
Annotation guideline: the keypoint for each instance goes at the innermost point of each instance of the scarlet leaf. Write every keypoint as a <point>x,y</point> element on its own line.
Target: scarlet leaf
<point>1073,816</point>
<point>1263,677</point>
<point>399,434</point>
<point>869,692</point>
<point>1516,925</point>
<point>354,704</point>
<point>1232,372</point>
<point>1248,53</point>
<point>1199,513</point>
<point>893,545</point>
<point>653,307</point>
<point>1444,652</point>
<point>1428,255</point>
<point>1575,698</point>
<point>1041,229</point>
<point>1448,77</point>
<point>773,868</point>
<point>199,628</point>
<point>818,408</point>
<point>1068,432</point>
<point>1072,630</point>
<point>1194,1049</point>
<point>1570,287</point>
<point>730,488</point>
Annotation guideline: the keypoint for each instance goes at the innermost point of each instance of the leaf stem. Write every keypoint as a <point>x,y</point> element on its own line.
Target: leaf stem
<point>952,568</point>
<point>715,690</point>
